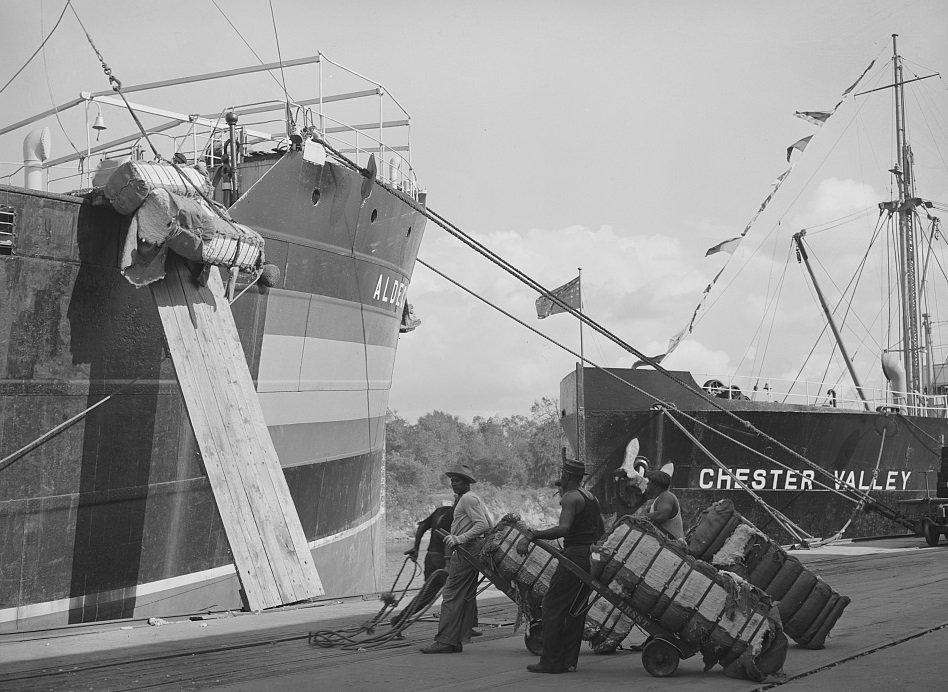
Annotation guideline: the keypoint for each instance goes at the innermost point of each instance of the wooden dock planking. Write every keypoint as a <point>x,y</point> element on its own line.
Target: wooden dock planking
<point>269,546</point>
<point>899,600</point>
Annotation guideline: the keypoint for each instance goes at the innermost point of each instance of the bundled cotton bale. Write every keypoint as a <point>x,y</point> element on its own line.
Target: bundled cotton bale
<point>532,571</point>
<point>605,627</point>
<point>202,234</point>
<point>809,607</point>
<point>190,228</point>
<point>130,183</point>
<point>730,621</point>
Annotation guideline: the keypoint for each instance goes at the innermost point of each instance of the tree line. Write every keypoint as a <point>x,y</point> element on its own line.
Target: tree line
<point>510,456</point>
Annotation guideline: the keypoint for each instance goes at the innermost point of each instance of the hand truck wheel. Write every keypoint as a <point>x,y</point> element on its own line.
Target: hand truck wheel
<point>931,531</point>
<point>660,658</point>
<point>533,637</point>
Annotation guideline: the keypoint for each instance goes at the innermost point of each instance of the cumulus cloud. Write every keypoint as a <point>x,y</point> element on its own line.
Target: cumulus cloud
<point>836,198</point>
<point>469,359</point>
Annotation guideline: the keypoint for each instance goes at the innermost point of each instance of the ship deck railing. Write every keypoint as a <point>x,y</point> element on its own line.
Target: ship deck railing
<point>366,127</point>
<point>827,394</point>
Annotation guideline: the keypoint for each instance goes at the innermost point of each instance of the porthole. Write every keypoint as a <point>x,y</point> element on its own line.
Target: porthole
<point>315,196</point>
<point>375,215</point>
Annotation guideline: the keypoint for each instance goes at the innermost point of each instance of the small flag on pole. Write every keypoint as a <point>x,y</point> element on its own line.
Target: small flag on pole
<point>818,118</point>
<point>799,144</point>
<point>728,246</point>
<point>568,293</point>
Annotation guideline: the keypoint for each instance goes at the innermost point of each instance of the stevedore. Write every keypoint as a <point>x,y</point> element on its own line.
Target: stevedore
<point>664,512</point>
<point>458,607</point>
<point>564,612</point>
<point>438,522</point>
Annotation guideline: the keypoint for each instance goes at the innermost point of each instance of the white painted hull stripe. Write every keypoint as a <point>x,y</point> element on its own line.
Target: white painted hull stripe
<point>320,406</point>
<point>65,604</point>
<point>327,364</point>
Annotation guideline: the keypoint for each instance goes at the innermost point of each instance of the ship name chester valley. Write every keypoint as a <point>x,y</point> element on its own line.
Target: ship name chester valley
<point>788,479</point>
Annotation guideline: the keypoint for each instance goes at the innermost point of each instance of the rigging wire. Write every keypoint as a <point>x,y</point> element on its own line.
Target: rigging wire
<point>664,405</point>
<point>852,285</point>
<point>769,308</point>
<point>524,278</point>
<point>276,37</point>
<point>490,255</point>
<point>116,83</point>
<point>49,90</point>
<point>840,221</point>
<point>813,348</point>
<point>668,409</point>
<point>790,205</point>
<point>793,453</point>
<point>788,525</point>
<point>773,296</point>
<point>41,45</point>
<point>117,88</point>
<point>246,43</point>
<point>792,202</point>
<point>942,127</point>
<point>773,313</point>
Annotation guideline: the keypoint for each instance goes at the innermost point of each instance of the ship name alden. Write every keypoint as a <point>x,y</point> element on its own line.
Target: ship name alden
<point>389,289</point>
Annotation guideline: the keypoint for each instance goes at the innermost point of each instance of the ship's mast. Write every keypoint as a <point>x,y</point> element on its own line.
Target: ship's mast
<point>906,205</point>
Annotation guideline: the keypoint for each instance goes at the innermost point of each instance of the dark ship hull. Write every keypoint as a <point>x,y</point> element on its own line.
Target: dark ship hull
<point>846,443</point>
<point>114,516</point>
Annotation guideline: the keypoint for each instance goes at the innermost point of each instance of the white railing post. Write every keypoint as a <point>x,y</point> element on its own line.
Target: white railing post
<point>381,166</point>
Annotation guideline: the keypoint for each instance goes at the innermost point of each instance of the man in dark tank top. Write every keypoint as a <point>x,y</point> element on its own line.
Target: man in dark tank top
<point>564,614</point>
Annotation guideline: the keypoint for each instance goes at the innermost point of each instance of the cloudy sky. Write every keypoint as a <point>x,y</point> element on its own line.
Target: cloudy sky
<point>623,137</point>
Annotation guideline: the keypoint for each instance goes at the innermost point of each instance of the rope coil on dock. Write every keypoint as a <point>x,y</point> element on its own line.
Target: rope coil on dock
<point>364,636</point>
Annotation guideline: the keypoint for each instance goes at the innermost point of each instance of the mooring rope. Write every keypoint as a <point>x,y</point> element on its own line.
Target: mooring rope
<point>478,247</point>
<point>862,503</point>
<point>791,528</point>
<point>524,278</point>
<point>364,636</point>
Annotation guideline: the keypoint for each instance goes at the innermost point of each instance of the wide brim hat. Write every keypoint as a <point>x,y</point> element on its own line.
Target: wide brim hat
<point>462,471</point>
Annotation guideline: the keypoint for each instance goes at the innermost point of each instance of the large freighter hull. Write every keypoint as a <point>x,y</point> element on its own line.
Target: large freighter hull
<point>849,444</point>
<point>114,517</point>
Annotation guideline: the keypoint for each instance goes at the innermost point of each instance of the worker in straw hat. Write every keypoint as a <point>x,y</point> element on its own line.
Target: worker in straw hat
<point>563,608</point>
<point>458,607</point>
<point>664,512</point>
<point>436,558</point>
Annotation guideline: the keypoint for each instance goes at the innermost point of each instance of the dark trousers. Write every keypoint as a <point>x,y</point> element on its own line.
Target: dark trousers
<point>564,613</point>
<point>458,607</point>
<point>434,560</point>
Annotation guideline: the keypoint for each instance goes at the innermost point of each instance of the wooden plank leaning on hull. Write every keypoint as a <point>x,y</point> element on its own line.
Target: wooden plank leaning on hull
<point>270,549</point>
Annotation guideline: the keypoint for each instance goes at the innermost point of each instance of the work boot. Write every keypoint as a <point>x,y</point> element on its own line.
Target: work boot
<point>439,648</point>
